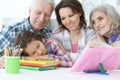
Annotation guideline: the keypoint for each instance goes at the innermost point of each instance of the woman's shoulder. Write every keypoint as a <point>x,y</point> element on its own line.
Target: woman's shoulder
<point>59,32</point>
<point>88,30</point>
<point>89,33</point>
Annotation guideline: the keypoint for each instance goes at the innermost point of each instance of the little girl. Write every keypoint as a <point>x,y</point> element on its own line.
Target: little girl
<point>37,47</point>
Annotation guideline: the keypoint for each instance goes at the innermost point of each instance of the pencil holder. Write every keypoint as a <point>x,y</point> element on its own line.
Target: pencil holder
<point>12,64</point>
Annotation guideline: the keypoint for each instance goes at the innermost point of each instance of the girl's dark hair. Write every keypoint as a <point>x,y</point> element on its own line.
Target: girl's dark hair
<point>24,37</point>
<point>76,7</point>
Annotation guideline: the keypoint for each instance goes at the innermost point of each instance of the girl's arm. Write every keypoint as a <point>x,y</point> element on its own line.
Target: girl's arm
<point>57,52</point>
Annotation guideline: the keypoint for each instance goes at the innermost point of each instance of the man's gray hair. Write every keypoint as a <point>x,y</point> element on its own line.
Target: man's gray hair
<point>51,2</point>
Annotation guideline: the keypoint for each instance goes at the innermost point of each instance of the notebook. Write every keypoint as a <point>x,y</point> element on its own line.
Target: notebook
<point>42,63</point>
<point>91,57</point>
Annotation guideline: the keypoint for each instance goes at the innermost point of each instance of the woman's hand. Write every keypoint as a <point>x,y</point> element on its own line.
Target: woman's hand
<point>99,37</point>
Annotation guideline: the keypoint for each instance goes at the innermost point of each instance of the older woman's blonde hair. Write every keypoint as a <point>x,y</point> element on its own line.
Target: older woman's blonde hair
<point>111,13</point>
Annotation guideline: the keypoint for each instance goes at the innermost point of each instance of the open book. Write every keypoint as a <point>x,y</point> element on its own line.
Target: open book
<point>97,53</point>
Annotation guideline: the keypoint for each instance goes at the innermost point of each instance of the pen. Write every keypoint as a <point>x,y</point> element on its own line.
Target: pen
<point>96,72</point>
<point>10,51</point>
<point>6,51</point>
<point>102,68</point>
<point>37,68</point>
<point>47,68</point>
<point>90,71</point>
<point>101,71</point>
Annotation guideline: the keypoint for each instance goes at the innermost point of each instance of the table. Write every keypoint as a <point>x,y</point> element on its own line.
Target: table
<point>58,74</point>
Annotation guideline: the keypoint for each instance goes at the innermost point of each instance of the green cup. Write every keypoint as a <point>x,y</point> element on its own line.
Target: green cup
<point>12,64</point>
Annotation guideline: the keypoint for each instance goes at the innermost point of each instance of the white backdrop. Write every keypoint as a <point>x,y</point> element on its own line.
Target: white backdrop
<point>13,10</point>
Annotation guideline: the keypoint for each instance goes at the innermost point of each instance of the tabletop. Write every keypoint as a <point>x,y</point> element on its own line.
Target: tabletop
<point>58,74</point>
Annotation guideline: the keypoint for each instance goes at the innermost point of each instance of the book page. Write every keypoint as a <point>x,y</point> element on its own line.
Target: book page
<point>97,44</point>
<point>116,44</point>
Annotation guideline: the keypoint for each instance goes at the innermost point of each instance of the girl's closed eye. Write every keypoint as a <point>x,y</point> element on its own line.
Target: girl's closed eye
<point>37,46</point>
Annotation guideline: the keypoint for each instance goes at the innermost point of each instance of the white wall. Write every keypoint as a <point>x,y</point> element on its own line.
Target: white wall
<point>13,10</point>
<point>19,8</point>
<point>88,5</point>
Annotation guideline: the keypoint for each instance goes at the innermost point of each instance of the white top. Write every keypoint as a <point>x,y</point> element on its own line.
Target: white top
<point>74,56</point>
<point>58,74</point>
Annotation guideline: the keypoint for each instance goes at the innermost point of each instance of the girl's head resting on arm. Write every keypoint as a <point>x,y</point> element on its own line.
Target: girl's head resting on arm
<point>31,43</point>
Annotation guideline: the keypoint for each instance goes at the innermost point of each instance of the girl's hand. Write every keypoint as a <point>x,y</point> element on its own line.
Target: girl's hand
<point>44,57</point>
<point>2,62</point>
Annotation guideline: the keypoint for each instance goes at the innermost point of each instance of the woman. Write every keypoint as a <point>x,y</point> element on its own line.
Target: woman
<point>105,20</point>
<point>72,33</point>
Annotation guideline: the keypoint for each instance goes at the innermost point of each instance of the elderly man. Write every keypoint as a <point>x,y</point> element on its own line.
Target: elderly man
<point>39,16</point>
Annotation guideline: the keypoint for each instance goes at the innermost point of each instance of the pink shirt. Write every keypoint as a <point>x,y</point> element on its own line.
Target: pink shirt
<point>74,48</point>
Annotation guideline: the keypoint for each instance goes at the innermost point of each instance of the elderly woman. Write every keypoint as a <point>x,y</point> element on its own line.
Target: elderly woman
<point>105,20</point>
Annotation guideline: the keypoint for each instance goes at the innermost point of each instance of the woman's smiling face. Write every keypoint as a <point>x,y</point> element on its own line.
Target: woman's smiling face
<point>69,19</point>
<point>101,23</point>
